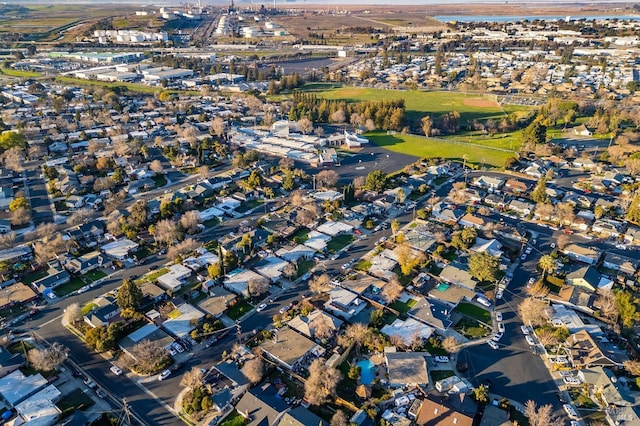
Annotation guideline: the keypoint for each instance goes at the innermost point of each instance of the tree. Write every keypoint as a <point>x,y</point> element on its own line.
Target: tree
<point>327,178</point>
<point>542,416</point>
<point>481,394</point>
<point>484,266</point>
<point>218,126</point>
<point>391,291</point>
<point>607,304</point>
<point>339,419</point>
<point>72,313</point>
<point>536,132</point>
<point>129,295</point>
<point>149,356</point>
<point>562,241</point>
<point>376,181</point>
<point>286,163</point>
<point>632,367</point>
<point>547,264</point>
<point>395,226</point>
<point>450,344</point>
<point>20,216</point>
<point>156,167</point>
<point>185,247</point>
<point>14,159</point>
<point>408,258</point>
<point>305,125</point>
<point>253,370</point>
<point>627,305</point>
<point>256,287</point>
<point>48,359</point>
<point>356,333</point>
<point>203,171</point>
<point>565,214</point>
<point>11,139</point>
<point>79,216</point>
<point>539,193</point>
<point>319,283</point>
<point>427,125</point>
<point>166,232</point>
<point>533,311</point>
<point>290,270</point>
<point>190,221</point>
<point>215,270</point>
<point>103,338</point>
<point>538,289</point>
<point>321,383</point>
<point>193,378</point>
<point>19,203</point>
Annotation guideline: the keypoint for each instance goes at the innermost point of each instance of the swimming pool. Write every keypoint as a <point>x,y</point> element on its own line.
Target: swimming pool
<point>368,372</point>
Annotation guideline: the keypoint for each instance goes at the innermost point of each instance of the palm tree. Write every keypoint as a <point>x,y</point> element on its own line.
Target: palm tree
<point>547,264</point>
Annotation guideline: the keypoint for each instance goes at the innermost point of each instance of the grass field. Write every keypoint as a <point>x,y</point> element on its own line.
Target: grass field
<point>419,103</point>
<point>474,311</point>
<point>421,147</point>
<point>134,87</point>
<point>17,73</point>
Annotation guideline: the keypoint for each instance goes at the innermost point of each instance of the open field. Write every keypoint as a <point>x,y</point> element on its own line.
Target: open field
<point>419,103</point>
<point>429,147</point>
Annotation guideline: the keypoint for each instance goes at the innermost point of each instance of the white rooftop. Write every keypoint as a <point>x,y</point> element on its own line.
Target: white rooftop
<point>15,387</point>
<point>316,240</point>
<point>39,410</point>
<point>181,326</point>
<point>334,228</point>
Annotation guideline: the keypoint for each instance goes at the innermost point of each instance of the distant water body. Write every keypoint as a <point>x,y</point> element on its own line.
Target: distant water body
<point>514,18</point>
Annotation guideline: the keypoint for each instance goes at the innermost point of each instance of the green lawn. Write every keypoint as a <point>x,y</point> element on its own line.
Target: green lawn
<point>339,242</point>
<point>159,179</point>
<point>20,347</point>
<point>234,419</point>
<point>74,284</point>
<point>88,308</point>
<point>305,266</point>
<point>155,274</point>
<point>134,87</point>
<point>249,205</point>
<point>471,329</point>
<point>35,276</point>
<point>475,312</point>
<point>510,140</point>
<point>437,375</point>
<point>94,275</point>
<point>419,103</point>
<point>422,147</point>
<point>17,73</point>
<point>363,265</point>
<point>403,307</point>
<point>239,309</point>
<point>300,236</point>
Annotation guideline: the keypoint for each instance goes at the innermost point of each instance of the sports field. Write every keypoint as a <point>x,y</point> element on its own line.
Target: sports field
<point>429,147</point>
<point>418,103</point>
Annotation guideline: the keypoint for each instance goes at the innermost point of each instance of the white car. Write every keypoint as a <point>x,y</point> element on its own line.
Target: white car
<point>552,245</point>
<point>529,340</point>
<point>571,412</point>
<point>164,374</point>
<point>561,360</point>
<point>571,380</point>
<point>528,250</point>
<point>501,327</point>
<point>523,257</point>
<point>525,329</point>
<point>531,281</point>
<point>498,316</point>
<point>172,351</point>
<point>345,266</point>
<point>116,370</point>
<point>493,344</point>
<point>178,347</point>
<point>497,337</point>
<point>442,358</point>
<point>499,294</point>
<point>261,307</point>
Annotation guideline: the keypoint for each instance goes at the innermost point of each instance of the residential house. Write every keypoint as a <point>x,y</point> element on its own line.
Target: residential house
<point>489,182</point>
<point>516,187</point>
<point>492,246</point>
<point>344,303</point>
<point>586,350</point>
<point>608,227</point>
<point>524,208</point>
<point>260,406</point>
<point>459,275</point>
<point>237,281</point>
<point>6,196</point>
<point>576,297</point>
<point>632,235</point>
<point>218,301</point>
<point>16,294</point>
<point>406,368</point>
<point>56,277</point>
<point>151,293</point>
<point>317,324</point>
<point>300,416</point>
<point>102,316</point>
<point>86,263</point>
<point>407,330</point>
<point>587,277</point>
<point>10,362</point>
<point>288,348</point>
<point>5,226</point>
<point>582,254</point>
<point>175,278</point>
<point>473,221</point>
<point>119,250</point>
<point>603,382</point>
<point>581,130</point>
<point>432,312</point>
<point>623,264</point>
<point>436,411</point>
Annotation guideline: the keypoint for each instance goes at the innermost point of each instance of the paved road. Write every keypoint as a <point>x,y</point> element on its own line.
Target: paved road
<point>42,211</point>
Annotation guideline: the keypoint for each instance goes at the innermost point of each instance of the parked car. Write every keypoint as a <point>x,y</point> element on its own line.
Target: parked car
<point>261,307</point>
<point>528,250</point>
<point>116,370</point>
<point>101,394</point>
<point>523,257</point>
<point>483,301</point>
<point>525,329</point>
<point>501,327</point>
<point>529,340</point>
<point>164,374</point>
<point>571,380</point>
<point>442,358</point>
<point>493,344</point>
<point>571,412</point>
<point>496,337</point>
<point>498,316</point>
<point>499,294</point>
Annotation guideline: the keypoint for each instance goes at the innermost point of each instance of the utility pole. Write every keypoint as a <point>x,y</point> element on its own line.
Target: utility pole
<point>126,415</point>
<point>238,330</point>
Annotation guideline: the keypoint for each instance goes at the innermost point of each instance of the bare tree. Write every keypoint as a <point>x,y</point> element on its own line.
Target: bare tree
<point>72,313</point>
<point>392,290</point>
<point>538,289</point>
<point>190,221</point>
<point>203,171</point>
<point>102,183</point>
<point>546,337</point>
<point>322,327</point>
<point>20,216</point>
<point>290,270</point>
<point>542,416</point>
<point>257,286</point>
<point>148,356</point>
<point>319,283</point>
<point>218,126</point>
<point>327,178</point>
<point>533,311</point>
<point>193,378</point>
<point>7,240</point>
<point>253,370</point>
<point>450,344</point>
<point>79,216</point>
<point>339,419</point>
<point>296,198</point>
<point>156,166</point>
<point>563,241</point>
<point>322,382</point>
<point>305,216</point>
<point>305,125</point>
<point>286,163</point>
<point>166,232</point>
<point>632,367</point>
<point>607,304</point>
<point>48,359</point>
<point>185,247</point>
<point>14,159</point>
<point>356,333</point>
